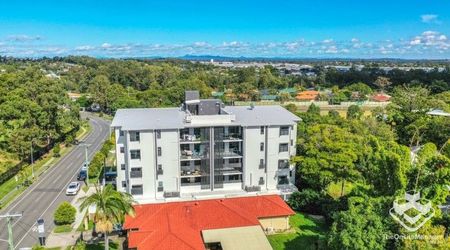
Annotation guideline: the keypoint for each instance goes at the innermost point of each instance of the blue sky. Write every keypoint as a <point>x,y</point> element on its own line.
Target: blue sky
<point>367,29</point>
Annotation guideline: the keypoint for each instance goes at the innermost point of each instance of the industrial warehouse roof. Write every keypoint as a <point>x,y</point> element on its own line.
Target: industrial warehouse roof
<point>173,118</point>
<point>179,225</point>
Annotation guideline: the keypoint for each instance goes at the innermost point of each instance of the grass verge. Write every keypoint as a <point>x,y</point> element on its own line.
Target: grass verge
<point>307,233</point>
<point>62,229</point>
<point>11,189</point>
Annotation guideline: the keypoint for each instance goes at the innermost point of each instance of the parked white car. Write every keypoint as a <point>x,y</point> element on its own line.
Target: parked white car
<point>73,188</point>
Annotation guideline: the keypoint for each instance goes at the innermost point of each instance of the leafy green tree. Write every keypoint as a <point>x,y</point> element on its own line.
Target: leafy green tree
<point>328,154</point>
<point>65,214</point>
<point>358,228</point>
<point>112,207</point>
<point>57,150</point>
<point>354,112</point>
<point>313,109</point>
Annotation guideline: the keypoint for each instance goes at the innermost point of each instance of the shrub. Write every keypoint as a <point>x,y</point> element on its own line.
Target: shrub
<point>96,164</point>
<point>57,150</point>
<point>65,214</point>
<point>306,200</point>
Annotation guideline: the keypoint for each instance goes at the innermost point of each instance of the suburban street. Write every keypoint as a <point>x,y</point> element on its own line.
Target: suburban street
<point>42,198</point>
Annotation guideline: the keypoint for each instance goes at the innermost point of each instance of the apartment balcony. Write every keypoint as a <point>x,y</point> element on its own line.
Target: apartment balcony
<point>191,173</point>
<point>188,155</point>
<point>188,138</point>
<point>229,154</point>
<point>231,137</point>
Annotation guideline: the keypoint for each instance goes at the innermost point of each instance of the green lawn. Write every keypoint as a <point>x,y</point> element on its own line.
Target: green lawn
<point>307,233</point>
<point>62,229</point>
<point>101,246</point>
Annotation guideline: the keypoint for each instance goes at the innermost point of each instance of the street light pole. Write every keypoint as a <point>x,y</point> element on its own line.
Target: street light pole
<point>32,160</point>
<point>86,162</point>
<point>10,233</point>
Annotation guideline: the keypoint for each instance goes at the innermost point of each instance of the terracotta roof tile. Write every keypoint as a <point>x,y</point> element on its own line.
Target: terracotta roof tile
<point>178,225</point>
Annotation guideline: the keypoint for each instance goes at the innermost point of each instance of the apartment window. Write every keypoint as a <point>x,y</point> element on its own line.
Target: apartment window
<point>137,190</point>
<point>121,133</point>
<point>136,172</point>
<point>283,147</point>
<point>160,169</point>
<point>124,184</point>
<point>135,136</point>
<point>135,154</point>
<point>284,131</point>
<point>283,164</point>
<point>122,150</point>
<point>158,134</point>
<point>122,166</point>
<point>283,180</point>
<point>292,142</point>
<point>261,163</point>
<point>291,173</point>
<point>261,146</point>
<point>159,151</point>
<point>261,181</point>
<point>262,130</point>
<point>160,186</point>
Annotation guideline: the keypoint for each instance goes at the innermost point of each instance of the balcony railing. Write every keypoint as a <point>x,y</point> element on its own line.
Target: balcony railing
<point>193,155</point>
<point>230,136</point>
<point>193,138</point>
<point>229,154</point>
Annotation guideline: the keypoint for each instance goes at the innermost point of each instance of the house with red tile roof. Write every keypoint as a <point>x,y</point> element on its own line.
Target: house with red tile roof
<point>308,95</point>
<point>380,97</point>
<point>229,223</point>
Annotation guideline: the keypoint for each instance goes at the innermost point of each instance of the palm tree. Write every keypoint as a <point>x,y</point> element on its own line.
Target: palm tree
<point>112,206</point>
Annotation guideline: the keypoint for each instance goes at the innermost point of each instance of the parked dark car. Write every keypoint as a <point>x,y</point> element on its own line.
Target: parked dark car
<point>82,175</point>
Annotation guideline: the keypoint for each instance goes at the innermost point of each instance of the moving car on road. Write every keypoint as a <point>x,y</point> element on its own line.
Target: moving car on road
<point>73,188</point>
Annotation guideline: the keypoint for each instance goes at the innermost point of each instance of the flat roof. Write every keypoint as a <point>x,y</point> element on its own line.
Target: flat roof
<point>238,238</point>
<point>173,118</point>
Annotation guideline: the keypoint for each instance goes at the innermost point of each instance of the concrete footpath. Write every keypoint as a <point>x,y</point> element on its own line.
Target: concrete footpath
<point>70,238</point>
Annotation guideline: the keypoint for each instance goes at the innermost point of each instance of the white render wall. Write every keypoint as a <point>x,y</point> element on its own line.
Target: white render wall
<point>252,155</point>
<point>170,161</point>
<point>120,159</point>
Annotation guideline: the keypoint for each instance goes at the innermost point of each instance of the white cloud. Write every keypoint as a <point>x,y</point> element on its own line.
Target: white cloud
<point>23,38</point>
<point>355,40</point>
<point>84,48</point>
<point>429,18</point>
<point>327,41</point>
<point>106,45</point>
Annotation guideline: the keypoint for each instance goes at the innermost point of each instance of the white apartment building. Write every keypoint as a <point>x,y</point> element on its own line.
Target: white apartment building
<point>204,147</point>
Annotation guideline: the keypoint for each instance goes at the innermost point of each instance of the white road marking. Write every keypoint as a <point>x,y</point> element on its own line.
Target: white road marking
<point>73,176</point>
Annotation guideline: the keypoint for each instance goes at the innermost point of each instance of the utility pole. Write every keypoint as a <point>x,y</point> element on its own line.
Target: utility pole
<point>32,160</point>
<point>9,217</point>
<point>86,162</point>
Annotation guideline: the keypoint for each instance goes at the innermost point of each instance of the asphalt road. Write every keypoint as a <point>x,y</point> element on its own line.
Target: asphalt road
<point>42,198</point>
